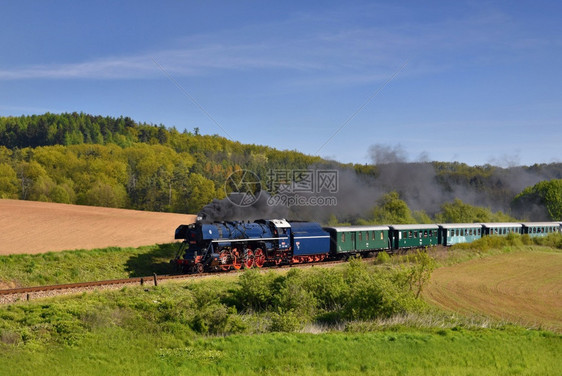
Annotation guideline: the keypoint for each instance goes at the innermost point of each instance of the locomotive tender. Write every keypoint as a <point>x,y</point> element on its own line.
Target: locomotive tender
<point>238,244</point>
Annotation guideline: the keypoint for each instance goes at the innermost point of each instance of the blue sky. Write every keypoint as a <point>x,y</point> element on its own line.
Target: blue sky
<point>469,81</point>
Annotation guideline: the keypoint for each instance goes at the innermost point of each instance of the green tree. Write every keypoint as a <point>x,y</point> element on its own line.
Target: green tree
<point>419,274</point>
<point>547,194</point>
<point>103,194</point>
<point>199,192</point>
<point>391,209</point>
<point>8,182</point>
<point>459,212</point>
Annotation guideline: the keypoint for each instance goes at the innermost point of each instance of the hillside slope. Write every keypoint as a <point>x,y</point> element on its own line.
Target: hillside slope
<point>36,227</point>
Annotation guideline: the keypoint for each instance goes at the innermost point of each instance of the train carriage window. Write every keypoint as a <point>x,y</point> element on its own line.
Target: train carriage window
<point>415,234</point>
<point>425,234</point>
<point>343,237</point>
<point>382,235</point>
<point>360,236</point>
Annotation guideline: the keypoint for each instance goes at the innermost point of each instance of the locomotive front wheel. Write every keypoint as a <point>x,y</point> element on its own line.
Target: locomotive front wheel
<point>199,268</point>
<point>259,257</point>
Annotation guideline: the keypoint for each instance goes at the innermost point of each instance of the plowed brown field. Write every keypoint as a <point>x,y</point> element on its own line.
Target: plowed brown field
<point>523,287</point>
<point>35,227</point>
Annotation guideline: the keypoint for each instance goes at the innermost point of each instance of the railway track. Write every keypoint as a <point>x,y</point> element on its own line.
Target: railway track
<point>13,295</point>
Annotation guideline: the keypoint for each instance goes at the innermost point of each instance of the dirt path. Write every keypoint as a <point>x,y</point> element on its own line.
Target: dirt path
<point>36,227</point>
<point>525,287</point>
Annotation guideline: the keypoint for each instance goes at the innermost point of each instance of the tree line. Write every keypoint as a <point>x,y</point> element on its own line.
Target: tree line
<point>78,158</point>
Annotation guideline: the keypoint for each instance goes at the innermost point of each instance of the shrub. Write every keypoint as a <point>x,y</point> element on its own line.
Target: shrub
<point>217,319</point>
<point>382,258</point>
<point>293,296</point>
<point>286,322</point>
<point>256,291</point>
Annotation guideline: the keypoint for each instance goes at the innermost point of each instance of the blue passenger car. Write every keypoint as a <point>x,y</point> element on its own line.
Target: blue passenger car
<point>454,233</point>
<point>539,229</point>
<point>501,228</point>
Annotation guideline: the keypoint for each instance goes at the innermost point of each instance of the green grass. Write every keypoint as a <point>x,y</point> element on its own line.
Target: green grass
<point>114,351</point>
<point>86,265</point>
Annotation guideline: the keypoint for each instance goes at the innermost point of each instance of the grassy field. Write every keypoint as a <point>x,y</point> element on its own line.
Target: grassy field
<point>85,265</point>
<point>522,287</point>
<point>404,352</point>
<point>359,318</point>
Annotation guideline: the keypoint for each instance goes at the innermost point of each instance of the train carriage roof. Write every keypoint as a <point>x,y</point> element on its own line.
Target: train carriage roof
<point>460,225</point>
<point>541,224</point>
<point>414,227</point>
<point>499,224</point>
<point>356,228</point>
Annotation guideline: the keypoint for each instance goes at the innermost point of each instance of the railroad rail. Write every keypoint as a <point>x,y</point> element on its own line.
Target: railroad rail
<point>27,293</point>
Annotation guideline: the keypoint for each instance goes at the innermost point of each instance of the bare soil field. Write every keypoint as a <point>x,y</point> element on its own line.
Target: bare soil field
<point>522,287</point>
<point>36,227</point>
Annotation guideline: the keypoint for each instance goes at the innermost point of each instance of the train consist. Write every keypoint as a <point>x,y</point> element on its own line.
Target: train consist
<point>237,244</point>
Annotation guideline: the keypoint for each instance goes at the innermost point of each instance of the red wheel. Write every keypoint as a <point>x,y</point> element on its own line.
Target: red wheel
<point>248,259</point>
<point>224,259</point>
<point>199,268</point>
<point>259,257</point>
<point>236,264</point>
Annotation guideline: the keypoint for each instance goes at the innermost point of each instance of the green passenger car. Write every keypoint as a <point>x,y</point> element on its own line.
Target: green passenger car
<point>454,233</point>
<point>412,236</point>
<point>537,229</point>
<point>356,239</point>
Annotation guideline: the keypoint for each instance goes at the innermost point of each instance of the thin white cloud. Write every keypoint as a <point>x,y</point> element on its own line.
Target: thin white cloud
<point>331,54</point>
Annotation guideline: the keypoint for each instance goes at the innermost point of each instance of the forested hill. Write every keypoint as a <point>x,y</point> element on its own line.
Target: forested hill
<point>104,161</point>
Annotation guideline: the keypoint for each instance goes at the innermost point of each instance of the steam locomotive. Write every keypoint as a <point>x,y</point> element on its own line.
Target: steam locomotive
<point>222,246</point>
